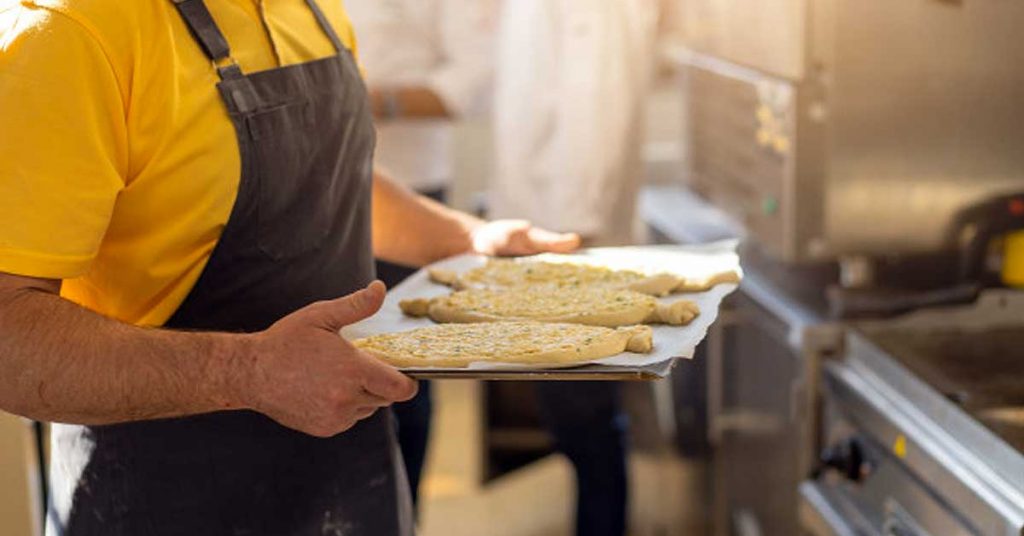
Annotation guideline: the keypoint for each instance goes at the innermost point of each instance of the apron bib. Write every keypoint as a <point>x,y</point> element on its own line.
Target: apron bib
<point>299,232</point>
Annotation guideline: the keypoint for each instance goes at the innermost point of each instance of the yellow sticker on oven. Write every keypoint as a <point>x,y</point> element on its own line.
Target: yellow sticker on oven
<point>899,447</point>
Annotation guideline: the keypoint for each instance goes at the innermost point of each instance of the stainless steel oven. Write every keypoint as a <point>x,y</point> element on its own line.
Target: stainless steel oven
<point>848,139</point>
<point>924,427</point>
<point>853,128</point>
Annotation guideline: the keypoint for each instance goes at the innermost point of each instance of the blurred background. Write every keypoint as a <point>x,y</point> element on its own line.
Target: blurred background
<point>868,376</point>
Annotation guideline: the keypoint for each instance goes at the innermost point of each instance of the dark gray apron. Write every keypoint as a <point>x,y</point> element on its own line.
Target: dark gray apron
<point>299,232</point>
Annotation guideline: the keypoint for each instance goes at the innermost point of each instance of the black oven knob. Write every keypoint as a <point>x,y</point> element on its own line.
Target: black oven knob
<point>847,458</point>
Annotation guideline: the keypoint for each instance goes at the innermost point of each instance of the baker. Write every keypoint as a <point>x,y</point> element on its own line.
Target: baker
<point>188,215</point>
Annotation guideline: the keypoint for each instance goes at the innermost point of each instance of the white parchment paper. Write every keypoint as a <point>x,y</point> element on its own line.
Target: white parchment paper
<point>670,342</point>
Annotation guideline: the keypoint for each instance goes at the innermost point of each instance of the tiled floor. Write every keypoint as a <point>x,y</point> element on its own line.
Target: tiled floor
<point>668,497</point>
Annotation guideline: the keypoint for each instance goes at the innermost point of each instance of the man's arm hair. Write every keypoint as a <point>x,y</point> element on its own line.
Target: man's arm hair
<point>61,362</point>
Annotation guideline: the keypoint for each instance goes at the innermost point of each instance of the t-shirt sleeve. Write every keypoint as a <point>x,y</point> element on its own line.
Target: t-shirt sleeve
<point>63,143</point>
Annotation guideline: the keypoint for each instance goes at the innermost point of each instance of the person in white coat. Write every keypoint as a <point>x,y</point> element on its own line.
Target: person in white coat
<point>569,91</point>
<point>427,64</point>
<point>571,78</point>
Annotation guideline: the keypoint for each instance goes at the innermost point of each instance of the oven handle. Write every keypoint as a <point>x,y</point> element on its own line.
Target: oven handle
<point>928,450</point>
<point>820,513</point>
<point>899,522</point>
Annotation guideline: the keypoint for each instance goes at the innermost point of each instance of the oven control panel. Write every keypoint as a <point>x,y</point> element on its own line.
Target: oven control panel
<point>742,151</point>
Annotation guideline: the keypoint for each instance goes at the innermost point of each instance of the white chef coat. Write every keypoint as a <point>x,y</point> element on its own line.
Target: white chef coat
<point>570,85</point>
<point>444,45</point>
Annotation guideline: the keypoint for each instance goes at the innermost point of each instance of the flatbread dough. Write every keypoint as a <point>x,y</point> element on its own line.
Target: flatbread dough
<point>532,343</point>
<point>518,273</point>
<point>591,306</point>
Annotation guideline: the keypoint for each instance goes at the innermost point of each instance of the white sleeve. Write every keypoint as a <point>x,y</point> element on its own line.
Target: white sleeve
<point>465,38</point>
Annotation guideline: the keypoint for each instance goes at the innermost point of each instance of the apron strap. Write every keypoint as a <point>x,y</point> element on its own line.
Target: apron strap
<point>213,43</point>
<point>326,26</point>
<point>211,40</point>
<point>204,29</point>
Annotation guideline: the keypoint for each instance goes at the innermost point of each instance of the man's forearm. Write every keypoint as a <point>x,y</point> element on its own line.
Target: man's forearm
<point>413,230</point>
<point>414,102</point>
<point>60,362</point>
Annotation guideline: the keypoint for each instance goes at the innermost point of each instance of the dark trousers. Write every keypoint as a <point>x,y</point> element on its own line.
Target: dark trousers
<point>590,428</point>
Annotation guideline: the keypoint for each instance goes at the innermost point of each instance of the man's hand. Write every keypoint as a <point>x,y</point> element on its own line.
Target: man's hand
<point>518,237</point>
<point>306,377</point>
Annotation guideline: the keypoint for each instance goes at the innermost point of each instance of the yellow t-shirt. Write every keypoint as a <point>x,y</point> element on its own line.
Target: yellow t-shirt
<point>118,163</point>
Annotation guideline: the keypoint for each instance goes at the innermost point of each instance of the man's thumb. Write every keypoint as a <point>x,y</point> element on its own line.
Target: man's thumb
<point>336,314</point>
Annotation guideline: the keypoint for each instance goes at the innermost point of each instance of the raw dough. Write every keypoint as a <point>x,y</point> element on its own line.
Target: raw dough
<point>532,343</point>
<point>591,306</point>
<point>509,273</point>
<point>706,283</point>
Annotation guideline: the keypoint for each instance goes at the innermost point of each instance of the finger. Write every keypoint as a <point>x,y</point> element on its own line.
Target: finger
<point>365,412</point>
<point>326,429</point>
<point>518,243</point>
<point>336,314</point>
<point>366,398</point>
<point>494,237</point>
<point>345,425</point>
<point>387,382</point>
<point>558,242</point>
